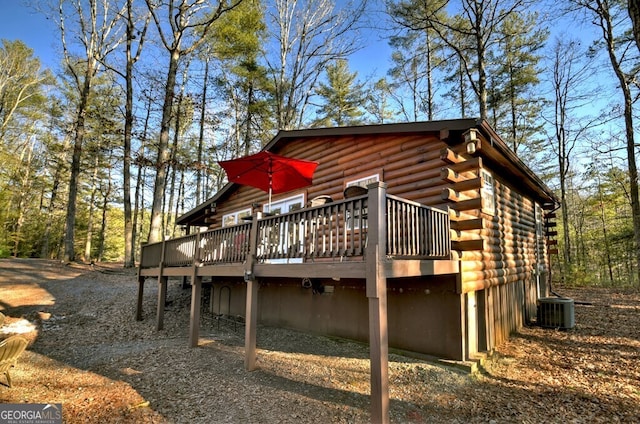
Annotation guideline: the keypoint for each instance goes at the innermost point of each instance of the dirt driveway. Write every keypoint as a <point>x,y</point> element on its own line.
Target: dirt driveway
<point>87,352</point>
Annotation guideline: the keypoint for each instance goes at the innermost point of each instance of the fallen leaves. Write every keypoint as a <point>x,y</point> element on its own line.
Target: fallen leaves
<point>89,354</point>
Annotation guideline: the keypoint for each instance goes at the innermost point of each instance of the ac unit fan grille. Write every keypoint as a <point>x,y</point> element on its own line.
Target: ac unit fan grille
<point>556,312</point>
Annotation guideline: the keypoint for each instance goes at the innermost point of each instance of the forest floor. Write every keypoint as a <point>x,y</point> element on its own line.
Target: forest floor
<point>88,353</point>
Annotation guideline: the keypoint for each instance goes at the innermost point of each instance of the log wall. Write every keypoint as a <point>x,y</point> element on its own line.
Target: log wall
<point>500,243</point>
<point>409,164</point>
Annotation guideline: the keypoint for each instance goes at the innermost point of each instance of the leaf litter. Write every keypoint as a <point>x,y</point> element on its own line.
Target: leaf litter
<point>87,352</point>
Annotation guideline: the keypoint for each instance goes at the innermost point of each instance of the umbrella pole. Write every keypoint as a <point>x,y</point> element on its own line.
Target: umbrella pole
<point>270,182</point>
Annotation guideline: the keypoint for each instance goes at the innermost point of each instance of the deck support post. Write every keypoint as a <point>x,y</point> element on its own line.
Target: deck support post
<point>251,324</point>
<point>194,320</point>
<point>196,296</point>
<point>140,287</point>
<point>162,299</point>
<point>140,297</point>
<point>251,309</point>
<point>162,290</point>
<point>376,288</point>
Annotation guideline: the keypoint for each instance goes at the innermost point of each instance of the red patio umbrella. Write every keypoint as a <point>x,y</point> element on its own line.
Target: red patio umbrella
<point>270,172</point>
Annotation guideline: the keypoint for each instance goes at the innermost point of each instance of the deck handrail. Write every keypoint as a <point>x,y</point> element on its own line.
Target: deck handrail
<point>333,231</point>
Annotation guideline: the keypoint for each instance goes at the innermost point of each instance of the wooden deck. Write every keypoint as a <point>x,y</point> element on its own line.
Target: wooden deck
<point>374,237</point>
<point>327,241</point>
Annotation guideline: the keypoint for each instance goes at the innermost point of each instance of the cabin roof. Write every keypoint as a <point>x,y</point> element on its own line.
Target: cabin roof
<point>497,152</point>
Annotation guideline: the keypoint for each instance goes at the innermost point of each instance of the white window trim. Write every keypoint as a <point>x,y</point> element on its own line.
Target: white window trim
<point>488,192</point>
<point>236,216</point>
<point>295,198</point>
<point>265,207</point>
<point>362,181</point>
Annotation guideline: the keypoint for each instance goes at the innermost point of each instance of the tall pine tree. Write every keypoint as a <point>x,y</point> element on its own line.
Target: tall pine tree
<point>513,102</point>
<point>343,96</point>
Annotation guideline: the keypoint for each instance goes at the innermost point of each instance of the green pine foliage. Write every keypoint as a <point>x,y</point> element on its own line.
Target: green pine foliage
<point>342,98</point>
<point>285,65</point>
<point>514,102</point>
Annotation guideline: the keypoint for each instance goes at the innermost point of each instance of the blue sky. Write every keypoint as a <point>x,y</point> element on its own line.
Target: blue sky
<point>21,22</point>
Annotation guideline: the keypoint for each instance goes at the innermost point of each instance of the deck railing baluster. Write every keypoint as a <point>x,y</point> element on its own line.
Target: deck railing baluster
<point>335,230</point>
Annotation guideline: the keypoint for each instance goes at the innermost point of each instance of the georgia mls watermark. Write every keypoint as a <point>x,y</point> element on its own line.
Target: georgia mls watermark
<point>31,413</point>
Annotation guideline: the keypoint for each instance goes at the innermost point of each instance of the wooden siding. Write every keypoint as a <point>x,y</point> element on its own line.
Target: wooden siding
<point>499,240</point>
<point>435,169</point>
<point>410,165</point>
<point>510,246</point>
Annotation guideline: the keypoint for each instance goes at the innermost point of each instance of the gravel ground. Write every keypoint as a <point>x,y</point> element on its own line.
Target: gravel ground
<point>87,352</point>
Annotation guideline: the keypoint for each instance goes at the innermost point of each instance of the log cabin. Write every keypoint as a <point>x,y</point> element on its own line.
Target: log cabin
<point>433,237</point>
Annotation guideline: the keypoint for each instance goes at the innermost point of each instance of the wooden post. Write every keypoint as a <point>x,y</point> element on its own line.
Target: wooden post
<point>140,287</point>
<point>162,290</point>
<point>140,296</point>
<point>162,299</point>
<point>251,309</point>
<point>196,296</point>
<point>377,297</point>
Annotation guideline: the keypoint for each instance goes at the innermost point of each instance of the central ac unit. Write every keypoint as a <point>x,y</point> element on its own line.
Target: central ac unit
<point>556,312</point>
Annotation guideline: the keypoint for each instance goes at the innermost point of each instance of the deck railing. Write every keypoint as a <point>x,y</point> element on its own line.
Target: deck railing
<point>415,230</point>
<point>334,231</point>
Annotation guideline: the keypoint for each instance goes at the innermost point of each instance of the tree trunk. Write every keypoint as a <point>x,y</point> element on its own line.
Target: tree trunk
<point>140,178</point>
<point>45,252</point>
<point>479,31</point>
<point>430,108</point>
<point>129,260</point>
<point>564,207</point>
<point>173,163</point>
<point>605,237</point>
<point>463,106</point>
<point>70,222</point>
<point>200,167</point>
<point>634,14</point>
<point>180,200</point>
<point>608,35</point>
<point>162,160</point>
<point>94,190</point>
<point>26,185</point>
<point>103,224</point>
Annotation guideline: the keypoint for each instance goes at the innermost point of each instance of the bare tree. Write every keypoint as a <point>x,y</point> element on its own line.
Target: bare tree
<point>98,33</point>
<point>21,79</point>
<point>634,14</point>
<point>568,74</point>
<point>309,35</point>
<point>203,106</point>
<point>470,34</point>
<point>136,29</point>
<point>132,57</point>
<point>603,13</point>
<point>177,22</point>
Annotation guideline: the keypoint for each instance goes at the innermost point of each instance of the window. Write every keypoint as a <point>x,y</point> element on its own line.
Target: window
<point>234,218</point>
<point>289,204</point>
<point>487,192</point>
<point>363,182</point>
<point>353,220</point>
<point>286,235</point>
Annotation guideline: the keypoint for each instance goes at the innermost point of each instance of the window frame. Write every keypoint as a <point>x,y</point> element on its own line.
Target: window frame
<point>488,192</point>
<point>236,215</point>
<point>362,181</point>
